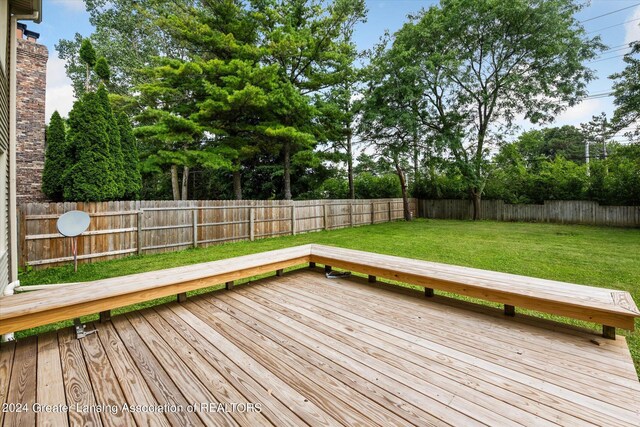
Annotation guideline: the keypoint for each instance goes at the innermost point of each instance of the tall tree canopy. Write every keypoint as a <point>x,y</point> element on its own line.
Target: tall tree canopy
<point>482,63</point>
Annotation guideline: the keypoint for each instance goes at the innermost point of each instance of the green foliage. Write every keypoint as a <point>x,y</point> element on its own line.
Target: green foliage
<point>127,34</point>
<point>132,178</point>
<point>476,65</point>
<point>115,149</point>
<point>627,93</point>
<point>90,175</point>
<point>87,53</point>
<point>102,70</point>
<point>55,161</point>
<point>369,186</point>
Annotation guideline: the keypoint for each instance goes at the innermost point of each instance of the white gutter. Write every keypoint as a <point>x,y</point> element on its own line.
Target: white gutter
<point>7,292</point>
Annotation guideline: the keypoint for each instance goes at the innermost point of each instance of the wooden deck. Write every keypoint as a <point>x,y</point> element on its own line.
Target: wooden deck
<point>314,351</point>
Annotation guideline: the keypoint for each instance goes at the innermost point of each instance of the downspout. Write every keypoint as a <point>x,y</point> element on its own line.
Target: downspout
<point>7,292</point>
<point>13,213</point>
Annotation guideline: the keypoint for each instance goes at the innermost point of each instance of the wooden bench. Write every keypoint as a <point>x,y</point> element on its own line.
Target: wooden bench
<point>608,307</point>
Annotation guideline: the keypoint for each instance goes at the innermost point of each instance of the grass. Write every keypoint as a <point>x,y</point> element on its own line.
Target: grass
<point>597,256</point>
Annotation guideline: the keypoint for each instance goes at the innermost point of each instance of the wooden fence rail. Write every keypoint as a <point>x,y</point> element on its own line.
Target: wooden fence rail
<point>558,211</point>
<point>141,227</point>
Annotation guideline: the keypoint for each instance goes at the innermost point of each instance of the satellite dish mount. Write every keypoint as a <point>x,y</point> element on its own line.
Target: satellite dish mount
<point>72,224</point>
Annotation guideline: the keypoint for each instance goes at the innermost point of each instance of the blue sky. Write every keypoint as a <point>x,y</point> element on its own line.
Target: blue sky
<point>63,18</point>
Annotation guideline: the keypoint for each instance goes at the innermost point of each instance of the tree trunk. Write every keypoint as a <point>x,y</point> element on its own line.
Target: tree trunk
<point>405,197</point>
<point>352,190</point>
<point>86,82</point>
<point>185,181</point>
<point>237,184</point>
<point>476,196</point>
<point>287,170</point>
<point>174,182</point>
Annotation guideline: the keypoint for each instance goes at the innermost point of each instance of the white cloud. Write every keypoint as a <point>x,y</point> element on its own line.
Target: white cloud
<point>71,5</point>
<point>581,113</point>
<point>59,90</point>
<point>632,29</point>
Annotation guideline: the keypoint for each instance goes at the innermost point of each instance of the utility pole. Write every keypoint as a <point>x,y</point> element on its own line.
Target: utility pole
<point>586,154</point>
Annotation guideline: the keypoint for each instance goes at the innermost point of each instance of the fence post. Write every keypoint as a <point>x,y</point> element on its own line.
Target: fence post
<point>351,214</point>
<point>293,219</point>
<point>373,213</point>
<point>325,216</point>
<point>139,234</point>
<point>252,228</point>
<point>22,237</point>
<point>195,228</point>
<point>390,212</point>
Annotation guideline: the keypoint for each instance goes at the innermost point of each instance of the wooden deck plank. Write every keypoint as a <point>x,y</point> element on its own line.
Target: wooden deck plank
<point>341,402</point>
<point>429,363</point>
<point>223,391</point>
<point>7,351</point>
<point>409,413</point>
<point>398,315</point>
<point>50,382</point>
<point>398,324</point>
<point>133,385</point>
<point>192,387</point>
<point>106,387</point>
<point>502,337</point>
<point>158,380</point>
<point>313,351</point>
<point>277,412</point>
<point>461,384</point>
<point>529,397</point>
<point>22,388</point>
<point>302,406</point>
<point>77,383</point>
<point>439,402</point>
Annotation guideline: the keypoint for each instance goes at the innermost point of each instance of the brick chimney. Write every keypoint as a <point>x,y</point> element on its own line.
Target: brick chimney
<point>31,82</point>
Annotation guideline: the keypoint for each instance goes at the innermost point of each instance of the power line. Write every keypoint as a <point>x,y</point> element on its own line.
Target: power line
<point>607,58</point>
<point>609,13</point>
<point>613,26</point>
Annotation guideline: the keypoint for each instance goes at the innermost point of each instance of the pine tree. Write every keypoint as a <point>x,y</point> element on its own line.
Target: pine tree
<point>55,161</point>
<point>133,181</point>
<point>88,56</point>
<point>115,149</point>
<point>102,70</point>
<point>89,177</point>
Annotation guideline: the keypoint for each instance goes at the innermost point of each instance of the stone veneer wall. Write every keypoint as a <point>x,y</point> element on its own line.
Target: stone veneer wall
<point>31,69</point>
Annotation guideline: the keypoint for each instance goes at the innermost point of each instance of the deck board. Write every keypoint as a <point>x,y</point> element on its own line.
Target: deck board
<point>314,351</point>
<point>50,382</point>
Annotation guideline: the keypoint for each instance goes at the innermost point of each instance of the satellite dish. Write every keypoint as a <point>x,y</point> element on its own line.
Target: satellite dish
<point>72,224</point>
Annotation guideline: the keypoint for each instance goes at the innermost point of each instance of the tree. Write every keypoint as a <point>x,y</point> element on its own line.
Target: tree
<point>389,122</point>
<point>115,149</point>
<point>102,70</point>
<point>131,160</point>
<point>483,63</point>
<point>88,57</point>
<point>627,93</point>
<point>303,40</point>
<point>89,176</point>
<point>55,161</point>
<point>127,33</point>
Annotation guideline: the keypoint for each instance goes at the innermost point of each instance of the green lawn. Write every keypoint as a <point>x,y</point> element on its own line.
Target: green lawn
<point>598,256</point>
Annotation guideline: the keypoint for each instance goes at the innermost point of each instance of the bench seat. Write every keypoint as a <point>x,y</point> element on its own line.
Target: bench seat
<point>608,307</point>
<point>599,305</point>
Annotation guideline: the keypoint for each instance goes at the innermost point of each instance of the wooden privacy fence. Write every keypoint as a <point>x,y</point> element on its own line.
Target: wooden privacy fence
<point>141,227</point>
<point>559,211</point>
